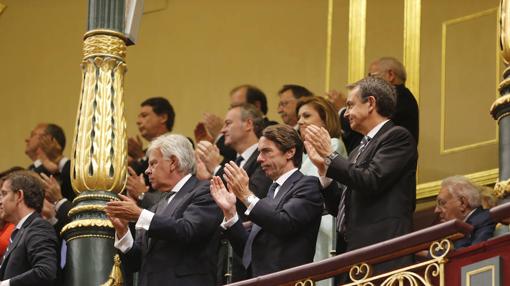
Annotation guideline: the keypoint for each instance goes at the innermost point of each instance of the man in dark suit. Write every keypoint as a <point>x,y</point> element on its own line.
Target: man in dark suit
<point>290,95</point>
<point>406,113</point>
<point>379,175</point>
<point>31,257</point>
<point>176,241</point>
<point>156,118</point>
<point>460,199</point>
<point>210,128</point>
<point>286,221</point>
<point>45,147</point>
<point>242,129</point>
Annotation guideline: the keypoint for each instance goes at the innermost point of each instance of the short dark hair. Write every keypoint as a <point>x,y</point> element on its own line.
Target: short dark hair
<point>57,132</point>
<point>253,95</point>
<point>31,184</point>
<point>162,106</point>
<point>297,90</point>
<point>383,92</point>
<point>249,111</point>
<point>285,138</point>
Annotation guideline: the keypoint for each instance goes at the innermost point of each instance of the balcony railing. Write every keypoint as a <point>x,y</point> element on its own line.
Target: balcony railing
<point>358,263</point>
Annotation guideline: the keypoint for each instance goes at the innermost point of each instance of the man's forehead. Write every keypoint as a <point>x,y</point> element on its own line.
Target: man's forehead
<point>146,109</point>
<point>353,94</point>
<point>233,113</point>
<point>6,185</point>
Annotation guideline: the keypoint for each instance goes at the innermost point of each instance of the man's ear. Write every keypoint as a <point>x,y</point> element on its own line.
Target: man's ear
<point>372,103</point>
<point>20,195</point>
<point>391,76</point>
<point>290,153</point>
<point>248,124</point>
<point>163,118</point>
<point>464,203</point>
<point>174,163</point>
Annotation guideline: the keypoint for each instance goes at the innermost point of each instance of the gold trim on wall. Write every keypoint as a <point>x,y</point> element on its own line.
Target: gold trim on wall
<point>329,38</point>
<point>490,268</point>
<point>442,149</point>
<point>412,25</point>
<point>482,178</point>
<point>2,8</point>
<point>357,40</point>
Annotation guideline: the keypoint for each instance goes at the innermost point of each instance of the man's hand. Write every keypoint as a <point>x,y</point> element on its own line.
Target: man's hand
<point>320,139</point>
<point>213,123</point>
<point>135,147</point>
<point>201,133</point>
<point>202,173</point>
<point>50,147</point>
<point>336,98</point>
<point>316,159</point>
<point>48,211</point>
<point>135,184</point>
<point>120,225</point>
<point>52,190</point>
<point>225,199</point>
<point>125,209</point>
<point>209,154</point>
<point>237,181</point>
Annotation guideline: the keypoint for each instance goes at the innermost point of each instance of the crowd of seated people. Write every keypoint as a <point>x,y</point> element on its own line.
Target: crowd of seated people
<point>247,196</point>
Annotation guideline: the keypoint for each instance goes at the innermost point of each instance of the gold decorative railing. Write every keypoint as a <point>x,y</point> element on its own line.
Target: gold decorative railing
<point>358,263</point>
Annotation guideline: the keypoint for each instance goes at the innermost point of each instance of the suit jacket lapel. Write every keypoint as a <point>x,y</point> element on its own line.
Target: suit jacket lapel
<point>373,143</point>
<point>289,183</point>
<point>251,163</point>
<point>17,239</point>
<point>181,196</point>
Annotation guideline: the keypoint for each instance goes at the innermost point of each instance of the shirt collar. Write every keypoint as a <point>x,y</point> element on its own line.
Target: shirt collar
<point>37,163</point>
<point>249,151</point>
<point>376,129</point>
<point>285,176</point>
<point>62,163</point>
<point>22,221</point>
<point>469,214</point>
<point>181,183</point>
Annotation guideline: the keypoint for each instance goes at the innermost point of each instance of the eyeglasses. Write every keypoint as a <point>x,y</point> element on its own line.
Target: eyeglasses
<point>283,103</point>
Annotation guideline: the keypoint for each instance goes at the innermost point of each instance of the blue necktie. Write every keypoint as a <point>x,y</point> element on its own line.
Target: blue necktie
<point>238,160</point>
<point>254,231</point>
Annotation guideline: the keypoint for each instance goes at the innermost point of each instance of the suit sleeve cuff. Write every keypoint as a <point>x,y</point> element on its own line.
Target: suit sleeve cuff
<point>145,219</point>
<point>229,223</point>
<point>124,244</point>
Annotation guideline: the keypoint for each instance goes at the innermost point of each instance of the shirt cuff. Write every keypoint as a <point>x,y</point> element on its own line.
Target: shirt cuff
<point>216,170</point>
<point>144,221</point>
<point>6,282</point>
<point>124,244</point>
<point>251,206</point>
<point>228,223</point>
<point>52,221</point>
<point>325,181</point>
<point>59,204</point>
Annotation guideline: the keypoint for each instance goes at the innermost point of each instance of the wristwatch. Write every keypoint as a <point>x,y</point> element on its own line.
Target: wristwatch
<point>330,158</point>
<point>141,196</point>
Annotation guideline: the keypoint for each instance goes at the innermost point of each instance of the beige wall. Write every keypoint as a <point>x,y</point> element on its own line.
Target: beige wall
<point>194,51</point>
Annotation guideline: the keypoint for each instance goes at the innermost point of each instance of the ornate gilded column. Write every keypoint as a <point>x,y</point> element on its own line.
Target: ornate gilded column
<point>99,155</point>
<point>500,109</point>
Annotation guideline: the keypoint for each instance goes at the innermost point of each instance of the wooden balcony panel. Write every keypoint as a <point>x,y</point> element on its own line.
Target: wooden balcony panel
<point>500,212</point>
<point>379,252</point>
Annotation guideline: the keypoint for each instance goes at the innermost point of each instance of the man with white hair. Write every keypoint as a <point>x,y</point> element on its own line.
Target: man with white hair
<point>460,199</point>
<point>177,239</point>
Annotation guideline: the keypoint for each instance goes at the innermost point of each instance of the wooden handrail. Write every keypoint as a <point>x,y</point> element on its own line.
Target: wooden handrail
<point>383,251</point>
<point>500,212</point>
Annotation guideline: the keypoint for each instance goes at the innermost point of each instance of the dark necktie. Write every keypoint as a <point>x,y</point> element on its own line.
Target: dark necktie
<point>238,160</point>
<point>254,231</point>
<point>340,217</point>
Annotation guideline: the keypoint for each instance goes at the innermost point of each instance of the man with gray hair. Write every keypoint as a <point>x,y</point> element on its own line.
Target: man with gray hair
<point>460,199</point>
<point>176,240</point>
